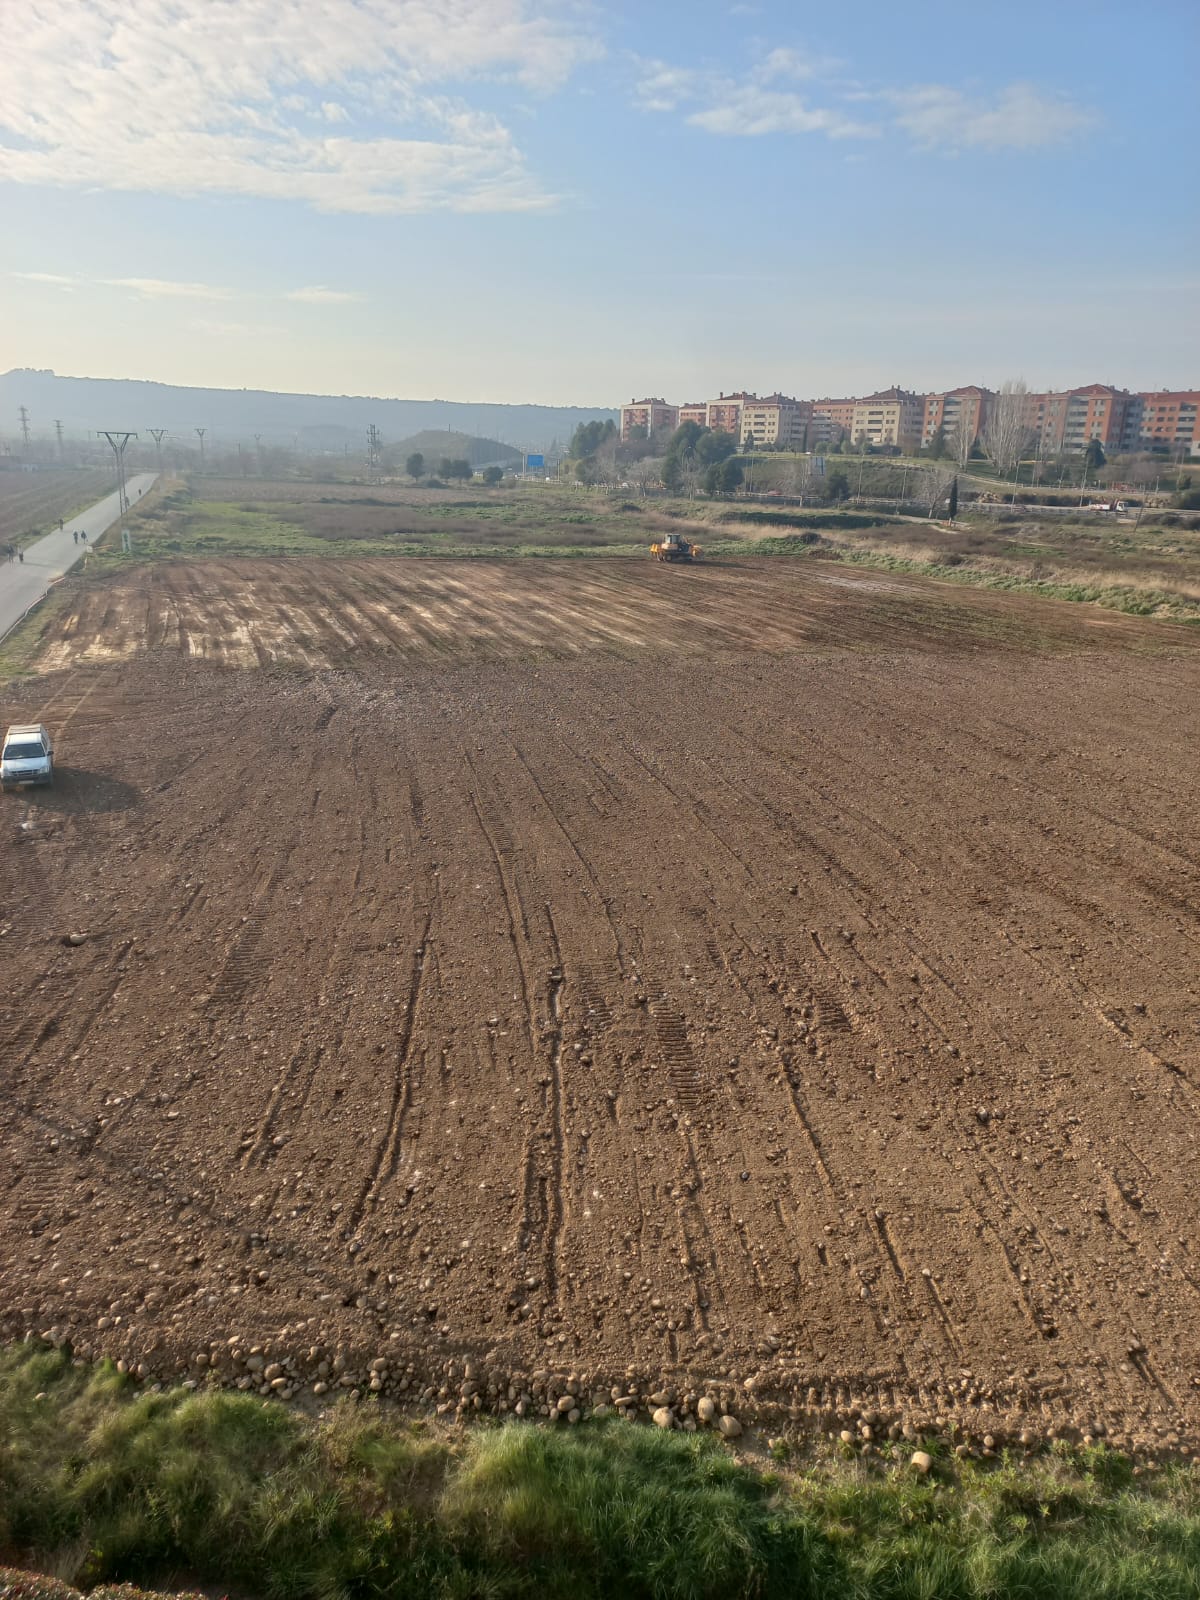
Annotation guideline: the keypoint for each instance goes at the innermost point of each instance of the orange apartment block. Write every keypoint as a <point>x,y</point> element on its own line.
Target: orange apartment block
<point>831,420</point>
<point>725,412</point>
<point>650,415</point>
<point>1058,421</point>
<point>945,410</point>
<point>1166,419</point>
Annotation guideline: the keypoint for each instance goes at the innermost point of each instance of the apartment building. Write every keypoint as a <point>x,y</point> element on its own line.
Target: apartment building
<point>775,421</point>
<point>725,412</point>
<point>894,416</point>
<point>1057,421</point>
<point>644,418</point>
<point>955,411</point>
<point>831,421</point>
<point>1167,419</point>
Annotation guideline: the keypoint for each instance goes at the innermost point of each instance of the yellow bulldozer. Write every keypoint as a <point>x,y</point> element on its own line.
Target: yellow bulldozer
<point>675,548</point>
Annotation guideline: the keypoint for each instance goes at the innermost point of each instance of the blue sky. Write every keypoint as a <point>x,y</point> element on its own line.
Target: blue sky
<point>570,203</point>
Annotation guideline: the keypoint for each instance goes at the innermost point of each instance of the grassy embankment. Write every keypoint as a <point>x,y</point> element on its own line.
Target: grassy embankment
<point>1153,572</point>
<point>100,1482</point>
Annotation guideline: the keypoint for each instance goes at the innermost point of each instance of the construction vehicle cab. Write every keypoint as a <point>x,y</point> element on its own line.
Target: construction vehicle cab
<point>674,547</point>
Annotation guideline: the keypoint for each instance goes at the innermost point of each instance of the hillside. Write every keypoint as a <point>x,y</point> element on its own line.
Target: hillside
<point>435,443</point>
<point>322,421</point>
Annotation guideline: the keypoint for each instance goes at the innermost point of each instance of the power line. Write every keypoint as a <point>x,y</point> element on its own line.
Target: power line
<point>116,443</point>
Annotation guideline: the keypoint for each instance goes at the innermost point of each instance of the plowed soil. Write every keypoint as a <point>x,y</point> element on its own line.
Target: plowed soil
<point>781,976</point>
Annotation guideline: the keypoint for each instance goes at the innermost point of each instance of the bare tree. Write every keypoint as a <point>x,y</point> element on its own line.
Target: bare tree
<point>1005,433</point>
<point>931,487</point>
<point>962,434</point>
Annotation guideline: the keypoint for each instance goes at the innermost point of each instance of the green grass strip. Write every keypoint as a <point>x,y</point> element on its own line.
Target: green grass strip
<point>101,1483</point>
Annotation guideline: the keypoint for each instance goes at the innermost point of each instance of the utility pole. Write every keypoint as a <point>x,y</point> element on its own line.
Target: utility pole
<point>158,434</point>
<point>116,443</point>
<point>23,413</point>
<point>201,432</point>
<point>58,431</point>
<point>374,445</point>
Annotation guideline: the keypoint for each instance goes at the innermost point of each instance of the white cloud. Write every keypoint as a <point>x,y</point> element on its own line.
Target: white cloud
<point>747,111</point>
<point>169,289</point>
<point>238,97</point>
<point>318,295</point>
<point>53,280</point>
<point>1019,117</point>
<point>752,105</point>
<point>763,100</point>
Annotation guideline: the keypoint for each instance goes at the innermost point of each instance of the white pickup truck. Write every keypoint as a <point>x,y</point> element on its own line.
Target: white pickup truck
<point>27,756</point>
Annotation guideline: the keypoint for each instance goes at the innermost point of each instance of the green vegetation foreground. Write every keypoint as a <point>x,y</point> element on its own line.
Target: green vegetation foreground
<point>100,1481</point>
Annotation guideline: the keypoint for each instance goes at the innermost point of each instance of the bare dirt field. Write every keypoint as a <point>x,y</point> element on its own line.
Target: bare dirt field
<point>312,613</point>
<point>778,977</point>
<point>31,502</point>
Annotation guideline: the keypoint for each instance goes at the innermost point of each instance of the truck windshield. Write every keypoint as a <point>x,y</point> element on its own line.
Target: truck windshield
<point>23,752</point>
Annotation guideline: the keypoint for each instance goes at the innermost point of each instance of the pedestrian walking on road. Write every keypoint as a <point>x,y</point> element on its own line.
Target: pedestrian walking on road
<point>21,557</point>
<point>75,534</point>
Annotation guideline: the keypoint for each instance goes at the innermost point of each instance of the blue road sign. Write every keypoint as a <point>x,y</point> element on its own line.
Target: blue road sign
<point>535,461</point>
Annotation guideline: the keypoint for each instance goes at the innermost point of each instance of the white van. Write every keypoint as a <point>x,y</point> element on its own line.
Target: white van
<point>27,756</point>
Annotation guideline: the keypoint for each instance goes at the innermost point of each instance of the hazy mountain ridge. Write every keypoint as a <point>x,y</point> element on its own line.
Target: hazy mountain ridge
<point>325,421</point>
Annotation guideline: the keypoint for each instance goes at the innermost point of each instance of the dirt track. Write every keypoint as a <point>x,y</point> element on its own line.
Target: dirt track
<point>822,1019</point>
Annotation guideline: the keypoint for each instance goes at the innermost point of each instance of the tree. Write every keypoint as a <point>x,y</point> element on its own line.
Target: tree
<point>460,469</point>
<point>445,468</point>
<point>1094,456</point>
<point>714,445</point>
<point>932,486</point>
<point>1006,432</point>
<point>672,473</point>
<point>952,508</point>
<point>837,485</point>
<point>415,465</point>
<point>589,436</point>
<point>962,435</point>
<point>937,443</point>
<point>731,475</point>
<point>492,476</point>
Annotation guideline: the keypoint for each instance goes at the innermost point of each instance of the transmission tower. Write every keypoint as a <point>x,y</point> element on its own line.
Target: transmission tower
<point>374,448</point>
<point>58,431</point>
<point>116,443</point>
<point>201,432</point>
<point>158,434</point>
<point>23,413</point>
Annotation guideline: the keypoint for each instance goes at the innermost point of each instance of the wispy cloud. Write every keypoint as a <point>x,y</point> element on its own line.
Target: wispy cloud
<point>1019,117</point>
<point>191,97</point>
<point>759,102</point>
<point>315,294</point>
<point>169,289</point>
<point>318,295</point>
<point>54,280</point>
<point>790,91</point>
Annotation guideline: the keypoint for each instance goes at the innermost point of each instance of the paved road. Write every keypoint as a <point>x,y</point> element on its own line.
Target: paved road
<point>23,583</point>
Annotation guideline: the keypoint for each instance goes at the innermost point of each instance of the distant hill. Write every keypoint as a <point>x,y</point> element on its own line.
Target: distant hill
<point>321,422</point>
<point>433,445</point>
